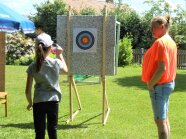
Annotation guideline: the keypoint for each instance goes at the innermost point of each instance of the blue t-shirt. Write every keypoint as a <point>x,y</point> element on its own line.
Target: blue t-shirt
<point>46,80</point>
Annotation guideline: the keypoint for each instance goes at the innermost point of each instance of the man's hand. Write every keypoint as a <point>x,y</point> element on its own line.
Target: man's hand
<point>150,86</point>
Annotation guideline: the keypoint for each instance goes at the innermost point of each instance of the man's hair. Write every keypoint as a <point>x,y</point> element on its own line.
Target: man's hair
<point>37,25</point>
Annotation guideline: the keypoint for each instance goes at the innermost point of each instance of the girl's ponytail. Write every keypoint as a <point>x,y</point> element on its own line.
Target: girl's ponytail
<point>39,57</point>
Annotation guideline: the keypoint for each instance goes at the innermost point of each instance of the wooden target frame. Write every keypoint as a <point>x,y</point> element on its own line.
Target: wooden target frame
<point>72,84</point>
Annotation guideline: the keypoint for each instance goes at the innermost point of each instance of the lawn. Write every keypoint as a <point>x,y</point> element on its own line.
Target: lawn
<point>130,117</point>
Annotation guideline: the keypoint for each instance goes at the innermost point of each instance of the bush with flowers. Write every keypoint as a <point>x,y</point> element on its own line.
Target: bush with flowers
<point>19,49</point>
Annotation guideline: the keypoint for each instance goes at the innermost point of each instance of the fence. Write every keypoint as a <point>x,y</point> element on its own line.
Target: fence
<point>181,59</point>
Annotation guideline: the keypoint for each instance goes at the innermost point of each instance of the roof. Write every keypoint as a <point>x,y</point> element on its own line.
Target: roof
<point>77,5</point>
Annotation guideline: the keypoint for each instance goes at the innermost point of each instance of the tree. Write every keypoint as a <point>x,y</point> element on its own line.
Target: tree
<point>88,11</point>
<point>130,23</point>
<point>47,15</point>
<point>178,28</point>
<point>158,7</point>
<point>111,1</point>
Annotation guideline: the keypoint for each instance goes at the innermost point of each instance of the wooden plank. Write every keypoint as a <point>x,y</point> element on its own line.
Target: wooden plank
<point>3,94</point>
<point>2,61</point>
<point>2,101</point>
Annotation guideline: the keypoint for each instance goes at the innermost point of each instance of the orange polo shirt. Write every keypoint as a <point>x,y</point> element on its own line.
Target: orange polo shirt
<point>163,49</point>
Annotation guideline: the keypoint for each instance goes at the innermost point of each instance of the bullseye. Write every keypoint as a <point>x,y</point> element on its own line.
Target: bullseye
<point>85,40</point>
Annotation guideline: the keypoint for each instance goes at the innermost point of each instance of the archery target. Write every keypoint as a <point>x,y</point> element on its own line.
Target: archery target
<point>84,40</point>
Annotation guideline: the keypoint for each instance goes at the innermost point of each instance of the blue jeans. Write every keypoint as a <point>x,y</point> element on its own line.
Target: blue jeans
<point>160,99</point>
<point>45,111</point>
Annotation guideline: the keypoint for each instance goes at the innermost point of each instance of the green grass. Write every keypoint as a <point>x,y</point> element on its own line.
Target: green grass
<point>130,117</point>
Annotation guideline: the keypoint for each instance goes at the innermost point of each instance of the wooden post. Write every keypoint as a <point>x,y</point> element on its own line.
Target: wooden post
<point>70,76</point>
<point>68,41</point>
<point>69,62</point>
<point>105,107</point>
<point>103,64</point>
<point>2,61</point>
<point>117,43</point>
<point>70,97</point>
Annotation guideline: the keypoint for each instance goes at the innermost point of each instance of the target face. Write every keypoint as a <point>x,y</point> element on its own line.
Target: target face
<point>84,40</point>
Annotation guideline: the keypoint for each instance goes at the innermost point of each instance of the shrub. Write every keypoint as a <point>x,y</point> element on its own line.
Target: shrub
<point>19,49</point>
<point>125,51</point>
<point>26,60</point>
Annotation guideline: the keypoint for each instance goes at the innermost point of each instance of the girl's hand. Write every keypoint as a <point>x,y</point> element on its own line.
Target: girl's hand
<point>59,51</point>
<point>29,107</point>
<point>56,50</point>
<point>53,50</point>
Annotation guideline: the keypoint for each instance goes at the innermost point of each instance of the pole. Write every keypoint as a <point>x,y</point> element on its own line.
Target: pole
<point>69,62</point>
<point>105,107</point>
<point>2,61</point>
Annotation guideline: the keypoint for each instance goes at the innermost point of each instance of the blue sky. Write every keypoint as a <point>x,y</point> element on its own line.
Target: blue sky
<point>25,7</point>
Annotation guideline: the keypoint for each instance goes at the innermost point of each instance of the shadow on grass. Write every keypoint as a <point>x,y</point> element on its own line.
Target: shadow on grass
<point>135,81</point>
<point>83,124</point>
<point>180,83</point>
<point>30,125</point>
<point>19,125</point>
<point>86,121</point>
<point>61,117</point>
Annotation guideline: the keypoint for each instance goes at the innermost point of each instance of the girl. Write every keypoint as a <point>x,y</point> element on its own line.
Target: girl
<point>45,71</point>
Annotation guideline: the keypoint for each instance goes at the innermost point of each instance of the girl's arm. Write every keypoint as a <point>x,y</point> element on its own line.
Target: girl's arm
<point>65,69</point>
<point>28,91</point>
<point>59,55</point>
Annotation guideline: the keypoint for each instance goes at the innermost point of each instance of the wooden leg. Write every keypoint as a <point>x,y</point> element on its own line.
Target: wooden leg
<point>70,96</point>
<point>106,108</point>
<point>76,93</point>
<point>6,106</point>
<point>107,111</point>
<point>103,107</point>
<point>73,114</point>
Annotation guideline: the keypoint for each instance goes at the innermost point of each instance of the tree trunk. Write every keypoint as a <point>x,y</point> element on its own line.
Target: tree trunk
<point>111,1</point>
